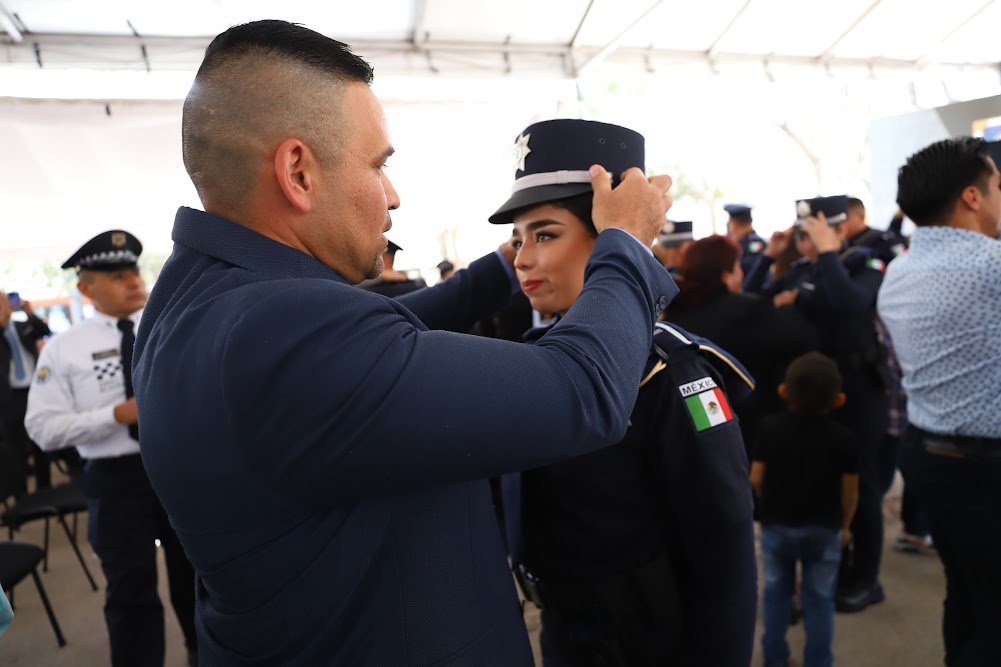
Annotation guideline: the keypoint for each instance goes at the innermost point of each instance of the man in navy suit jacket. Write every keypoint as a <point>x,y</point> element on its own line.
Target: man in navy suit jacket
<point>322,450</point>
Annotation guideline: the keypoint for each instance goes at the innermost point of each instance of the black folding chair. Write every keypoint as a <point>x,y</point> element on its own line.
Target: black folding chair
<point>17,561</point>
<point>20,508</point>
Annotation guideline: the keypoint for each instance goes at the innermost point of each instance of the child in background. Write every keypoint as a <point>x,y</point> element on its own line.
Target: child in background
<point>805,472</point>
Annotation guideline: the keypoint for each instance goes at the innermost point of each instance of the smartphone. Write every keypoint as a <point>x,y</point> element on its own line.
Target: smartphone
<point>14,299</point>
<point>835,208</point>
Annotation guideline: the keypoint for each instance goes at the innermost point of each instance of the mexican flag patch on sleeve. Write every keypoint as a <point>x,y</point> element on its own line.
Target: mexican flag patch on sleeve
<point>706,403</point>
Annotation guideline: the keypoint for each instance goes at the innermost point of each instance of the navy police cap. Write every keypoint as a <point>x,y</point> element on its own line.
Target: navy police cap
<point>108,251</point>
<point>675,233</point>
<point>835,209</point>
<point>391,248</point>
<point>552,159</point>
<point>739,211</point>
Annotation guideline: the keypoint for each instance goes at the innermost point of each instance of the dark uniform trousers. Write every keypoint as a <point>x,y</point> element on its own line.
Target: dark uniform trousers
<point>125,519</point>
<point>866,414</point>
<point>960,492</point>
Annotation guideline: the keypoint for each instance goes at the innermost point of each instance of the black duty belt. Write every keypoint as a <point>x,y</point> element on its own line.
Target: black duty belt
<point>959,446</point>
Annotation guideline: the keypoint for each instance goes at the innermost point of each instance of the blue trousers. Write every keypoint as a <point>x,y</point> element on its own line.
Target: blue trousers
<point>125,520</point>
<point>819,550</point>
<point>961,497</point>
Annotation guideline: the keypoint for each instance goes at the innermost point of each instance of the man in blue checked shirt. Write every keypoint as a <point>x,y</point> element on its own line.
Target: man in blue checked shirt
<point>941,302</point>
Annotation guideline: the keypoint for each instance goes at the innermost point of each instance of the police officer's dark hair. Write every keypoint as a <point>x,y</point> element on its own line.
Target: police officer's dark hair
<point>813,383</point>
<point>931,181</point>
<point>580,205</point>
<point>855,203</point>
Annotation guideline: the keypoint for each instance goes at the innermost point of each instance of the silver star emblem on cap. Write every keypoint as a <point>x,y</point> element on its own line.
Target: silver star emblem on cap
<point>521,151</point>
<point>802,209</point>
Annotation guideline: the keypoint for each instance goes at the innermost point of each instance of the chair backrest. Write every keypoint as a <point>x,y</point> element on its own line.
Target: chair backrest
<point>17,560</point>
<point>13,475</point>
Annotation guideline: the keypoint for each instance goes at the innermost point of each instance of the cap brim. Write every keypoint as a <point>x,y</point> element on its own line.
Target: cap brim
<point>533,196</point>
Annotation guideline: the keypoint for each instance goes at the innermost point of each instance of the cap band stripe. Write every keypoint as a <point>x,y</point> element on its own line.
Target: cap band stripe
<point>550,178</point>
<point>677,236</point>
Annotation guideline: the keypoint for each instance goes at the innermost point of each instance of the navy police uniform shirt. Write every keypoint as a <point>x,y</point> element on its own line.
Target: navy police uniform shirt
<point>751,245</point>
<point>837,295</point>
<point>678,481</point>
<point>885,245</point>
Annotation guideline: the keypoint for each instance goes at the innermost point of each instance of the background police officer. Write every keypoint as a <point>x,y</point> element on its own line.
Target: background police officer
<point>740,228</point>
<point>82,395</point>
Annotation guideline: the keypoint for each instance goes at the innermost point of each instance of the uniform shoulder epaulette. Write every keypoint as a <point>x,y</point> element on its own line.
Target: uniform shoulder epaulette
<point>668,338</point>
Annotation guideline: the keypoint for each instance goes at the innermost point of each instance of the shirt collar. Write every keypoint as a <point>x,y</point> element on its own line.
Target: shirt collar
<point>109,321</point>
<point>243,247</point>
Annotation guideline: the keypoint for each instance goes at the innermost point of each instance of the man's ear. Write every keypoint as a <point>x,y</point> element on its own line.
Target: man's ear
<point>971,197</point>
<point>294,168</point>
<point>84,287</point>
<point>839,400</point>
<point>783,392</point>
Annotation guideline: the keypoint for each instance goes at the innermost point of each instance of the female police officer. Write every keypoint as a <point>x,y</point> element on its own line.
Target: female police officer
<point>641,553</point>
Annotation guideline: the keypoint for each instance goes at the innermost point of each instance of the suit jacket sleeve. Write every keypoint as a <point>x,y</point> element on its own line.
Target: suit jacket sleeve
<point>458,303</point>
<point>31,332</point>
<point>371,403</point>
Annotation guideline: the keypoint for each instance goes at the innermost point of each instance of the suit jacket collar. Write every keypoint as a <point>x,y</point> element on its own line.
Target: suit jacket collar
<point>243,247</point>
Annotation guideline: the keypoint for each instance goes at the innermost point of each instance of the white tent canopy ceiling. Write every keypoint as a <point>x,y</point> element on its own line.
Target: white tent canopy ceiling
<point>563,38</point>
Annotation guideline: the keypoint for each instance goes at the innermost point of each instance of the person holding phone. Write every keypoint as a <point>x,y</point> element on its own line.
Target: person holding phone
<point>835,289</point>
<point>18,357</point>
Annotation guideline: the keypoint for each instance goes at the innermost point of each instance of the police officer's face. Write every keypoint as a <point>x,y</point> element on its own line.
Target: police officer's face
<point>116,293</point>
<point>553,248</point>
<point>358,195</point>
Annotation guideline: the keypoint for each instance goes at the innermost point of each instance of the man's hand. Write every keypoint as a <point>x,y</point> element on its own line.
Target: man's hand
<point>846,537</point>
<point>778,243</point>
<point>26,308</point>
<point>638,205</point>
<point>126,413</point>
<point>825,238</point>
<point>786,298</point>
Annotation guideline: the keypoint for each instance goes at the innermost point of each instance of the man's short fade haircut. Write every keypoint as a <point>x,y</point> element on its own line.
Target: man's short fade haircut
<point>289,39</point>
<point>812,382</point>
<point>854,203</point>
<point>259,83</point>
<point>931,181</point>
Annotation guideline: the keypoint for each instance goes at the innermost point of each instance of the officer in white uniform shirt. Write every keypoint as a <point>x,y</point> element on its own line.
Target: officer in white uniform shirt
<point>82,396</point>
